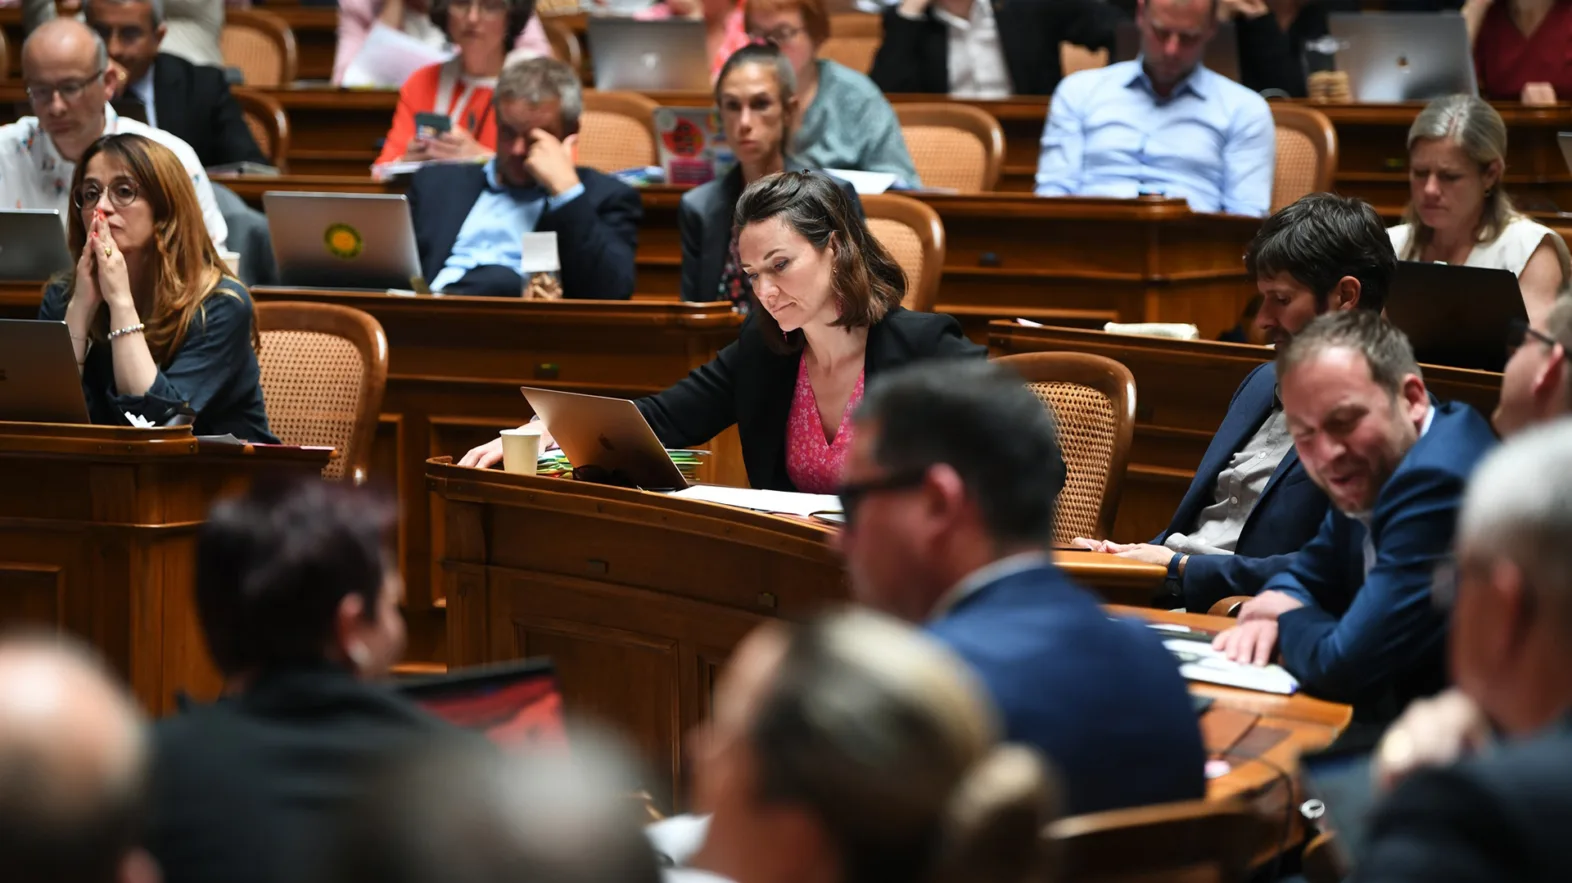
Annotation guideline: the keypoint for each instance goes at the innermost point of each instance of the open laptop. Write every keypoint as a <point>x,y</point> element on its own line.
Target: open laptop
<point>1403,56</point>
<point>1222,53</point>
<point>343,240</point>
<point>32,245</point>
<point>649,56</point>
<point>1454,315</point>
<point>514,703</point>
<point>39,380</point>
<point>607,440</point>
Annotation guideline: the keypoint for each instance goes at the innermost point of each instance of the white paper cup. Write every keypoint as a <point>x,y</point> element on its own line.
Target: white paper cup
<point>521,449</point>
<point>232,261</point>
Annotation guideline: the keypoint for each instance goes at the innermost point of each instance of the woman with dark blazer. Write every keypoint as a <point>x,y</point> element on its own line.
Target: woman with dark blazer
<point>755,94</point>
<point>827,320</point>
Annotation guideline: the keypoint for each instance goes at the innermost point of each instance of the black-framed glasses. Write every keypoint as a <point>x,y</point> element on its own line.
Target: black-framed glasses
<point>1519,332</point>
<point>69,91</point>
<point>490,8</point>
<point>122,192</point>
<point>853,494</point>
<point>776,35</point>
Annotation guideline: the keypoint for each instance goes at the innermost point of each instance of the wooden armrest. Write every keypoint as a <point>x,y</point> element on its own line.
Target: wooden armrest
<point>1229,606</point>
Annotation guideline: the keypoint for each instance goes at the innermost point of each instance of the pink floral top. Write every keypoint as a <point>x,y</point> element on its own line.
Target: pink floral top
<point>813,464</point>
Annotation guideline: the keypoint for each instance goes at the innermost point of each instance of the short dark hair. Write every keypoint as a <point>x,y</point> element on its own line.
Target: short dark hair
<point>519,14</point>
<point>1385,347</point>
<point>867,283</point>
<point>1320,239</point>
<point>274,565</point>
<point>980,419</point>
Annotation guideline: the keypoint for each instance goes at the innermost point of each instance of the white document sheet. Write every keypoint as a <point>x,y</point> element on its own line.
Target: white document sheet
<point>388,57</point>
<point>1199,662</point>
<point>865,183</point>
<point>779,502</point>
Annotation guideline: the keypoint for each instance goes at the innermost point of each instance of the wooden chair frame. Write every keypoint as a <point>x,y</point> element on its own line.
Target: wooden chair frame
<point>565,44</point>
<point>978,122</point>
<point>1144,842</point>
<point>365,332</point>
<point>629,104</point>
<point>1319,129</point>
<point>930,232</point>
<point>1108,377</point>
<point>273,118</point>
<point>274,26</point>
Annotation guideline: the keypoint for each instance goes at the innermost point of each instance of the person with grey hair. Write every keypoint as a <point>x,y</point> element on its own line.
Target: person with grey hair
<point>1535,386</point>
<point>1458,210</point>
<point>73,767</point>
<point>949,492</point>
<point>66,72</point>
<point>1485,786</point>
<point>1351,617</point>
<point>470,219</point>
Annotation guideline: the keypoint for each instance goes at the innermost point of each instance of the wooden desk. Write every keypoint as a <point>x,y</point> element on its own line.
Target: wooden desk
<point>640,597</point>
<point>98,529</point>
<point>1183,390</point>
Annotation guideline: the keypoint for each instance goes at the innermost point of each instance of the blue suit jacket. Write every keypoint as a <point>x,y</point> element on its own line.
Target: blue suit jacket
<point>1286,517</point>
<point>597,232</point>
<point>1376,640</point>
<point>1099,697</point>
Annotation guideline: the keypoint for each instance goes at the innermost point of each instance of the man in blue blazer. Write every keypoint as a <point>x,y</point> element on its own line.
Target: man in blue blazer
<point>470,219</point>
<point>1251,506</point>
<point>949,497</point>
<point>1352,617</point>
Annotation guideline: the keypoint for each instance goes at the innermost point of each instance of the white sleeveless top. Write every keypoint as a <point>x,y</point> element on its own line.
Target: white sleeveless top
<point>1509,251</point>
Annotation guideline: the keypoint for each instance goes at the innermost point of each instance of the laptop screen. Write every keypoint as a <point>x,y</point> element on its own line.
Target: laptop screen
<point>514,704</point>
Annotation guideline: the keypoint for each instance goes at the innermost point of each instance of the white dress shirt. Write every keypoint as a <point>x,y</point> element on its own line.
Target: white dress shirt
<point>33,175</point>
<point>975,59</point>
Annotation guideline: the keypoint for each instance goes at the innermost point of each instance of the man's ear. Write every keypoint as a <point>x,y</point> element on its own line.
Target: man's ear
<point>1345,295</point>
<point>1416,399</point>
<point>1550,379</point>
<point>158,34</point>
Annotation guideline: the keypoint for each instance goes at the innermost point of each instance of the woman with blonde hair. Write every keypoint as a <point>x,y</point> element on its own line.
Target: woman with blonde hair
<point>161,333</point>
<point>1458,212</point>
<point>853,749</point>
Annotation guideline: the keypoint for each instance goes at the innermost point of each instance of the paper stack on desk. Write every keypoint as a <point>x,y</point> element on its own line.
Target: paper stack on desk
<point>1198,661</point>
<point>777,502</point>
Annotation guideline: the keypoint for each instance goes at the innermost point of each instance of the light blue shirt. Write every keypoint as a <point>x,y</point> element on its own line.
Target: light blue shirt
<point>494,229</point>
<point>1212,142</point>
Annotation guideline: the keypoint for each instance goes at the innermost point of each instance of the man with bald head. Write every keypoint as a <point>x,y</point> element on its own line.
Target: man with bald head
<point>73,763</point>
<point>65,68</point>
<point>1163,124</point>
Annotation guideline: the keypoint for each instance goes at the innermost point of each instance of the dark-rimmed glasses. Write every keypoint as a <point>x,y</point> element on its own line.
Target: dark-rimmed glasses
<point>1519,332</point>
<point>69,91</point>
<point>853,494</point>
<point>122,192</point>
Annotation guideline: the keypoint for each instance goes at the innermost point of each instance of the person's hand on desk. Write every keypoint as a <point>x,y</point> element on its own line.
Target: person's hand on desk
<point>1143,552</point>
<point>1431,732</point>
<point>490,453</point>
<point>1539,94</point>
<point>1254,638</point>
<point>1227,10</point>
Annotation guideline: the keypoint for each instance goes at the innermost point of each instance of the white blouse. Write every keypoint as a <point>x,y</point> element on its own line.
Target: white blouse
<point>1508,251</point>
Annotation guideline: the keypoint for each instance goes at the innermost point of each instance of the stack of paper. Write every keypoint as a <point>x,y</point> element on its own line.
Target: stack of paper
<point>778,502</point>
<point>1198,661</point>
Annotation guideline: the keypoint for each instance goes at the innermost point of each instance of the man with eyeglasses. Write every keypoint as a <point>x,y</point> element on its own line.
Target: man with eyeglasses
<point>65,67</point>
<point>949,494</point>
<point>1535,386</point>
<point>1486,787</point>
<point>1351,617</point>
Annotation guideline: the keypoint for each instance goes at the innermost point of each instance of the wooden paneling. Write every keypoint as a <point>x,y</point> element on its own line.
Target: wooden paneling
<point>1183,389</point>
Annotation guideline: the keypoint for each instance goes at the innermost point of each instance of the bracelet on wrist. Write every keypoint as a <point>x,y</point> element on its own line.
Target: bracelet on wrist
<point>129,329</point>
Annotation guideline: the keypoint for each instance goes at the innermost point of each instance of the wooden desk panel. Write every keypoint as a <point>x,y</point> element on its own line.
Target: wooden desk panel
<point>1182,392</point>
<point>98,530</point>
<point>640,598</point>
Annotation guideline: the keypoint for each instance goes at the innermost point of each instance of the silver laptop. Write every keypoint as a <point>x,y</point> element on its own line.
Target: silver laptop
<point>607,440</point>
<point>32,245</point>
<point>343,240</point>
<point>1222,51</point>
<point>649,56</point>
<point>39,380</point>
<point>1403,56</point>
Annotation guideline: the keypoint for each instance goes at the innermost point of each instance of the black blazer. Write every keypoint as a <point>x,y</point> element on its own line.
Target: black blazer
<point>193,103</point>
<point>704,219</point>
<point>598,231</point>
<point>1271,58</point>
<point>1499,816</point>
<point>914,56</point>
<point>242,790</point>
<point>751,385</point>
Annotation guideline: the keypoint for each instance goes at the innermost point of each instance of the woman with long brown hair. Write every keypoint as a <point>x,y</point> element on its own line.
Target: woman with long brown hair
<point>161,333</point>
<point>827,317</point>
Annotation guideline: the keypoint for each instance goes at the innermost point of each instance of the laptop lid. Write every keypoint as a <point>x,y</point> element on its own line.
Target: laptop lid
<point>649,56</point>
<point>606,437</point>
<point>1453,315</point>
<point>39,380</point>
<point>513,704</point>
<point>32,245</point>
<point>343,240</point>
<point>1222,52</point>
<point>1403,56</point>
